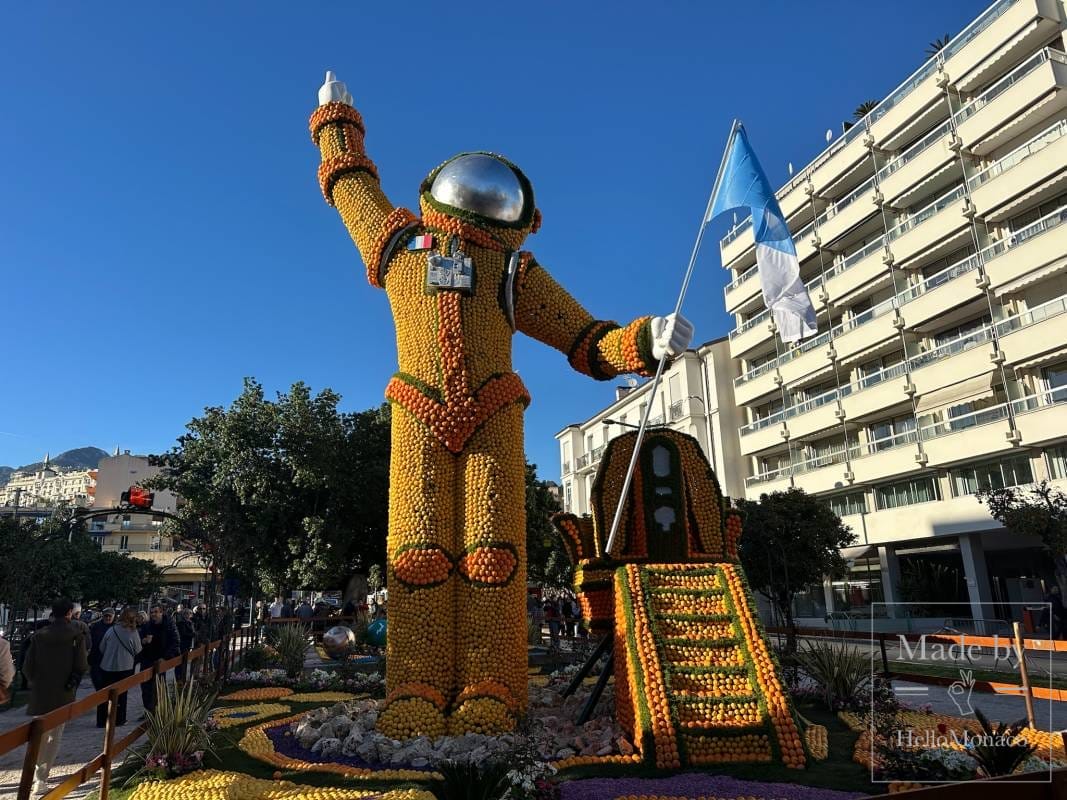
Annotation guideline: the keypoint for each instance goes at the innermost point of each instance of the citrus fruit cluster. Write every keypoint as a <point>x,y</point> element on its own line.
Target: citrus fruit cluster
<point>216,785</point>
<point>258,693</point>
<point>233,716</point>
<point>816,738</point>
<point>703,750</point>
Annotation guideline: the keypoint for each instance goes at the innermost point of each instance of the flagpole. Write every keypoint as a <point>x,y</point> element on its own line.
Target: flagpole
<point>663,359</point>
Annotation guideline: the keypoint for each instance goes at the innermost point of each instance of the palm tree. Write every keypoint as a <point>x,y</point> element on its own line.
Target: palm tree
<point>937,45</point>
<point>863,109</point>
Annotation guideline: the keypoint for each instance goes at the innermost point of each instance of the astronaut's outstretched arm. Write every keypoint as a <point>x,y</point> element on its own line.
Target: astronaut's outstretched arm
<point>349,180</point>
<point>599,348</point>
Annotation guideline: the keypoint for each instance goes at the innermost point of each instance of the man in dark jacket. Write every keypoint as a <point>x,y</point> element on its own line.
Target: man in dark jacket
<point>55,662</point>
<point>186,637</point>
<point>96,636</point>
<point>159,640</point>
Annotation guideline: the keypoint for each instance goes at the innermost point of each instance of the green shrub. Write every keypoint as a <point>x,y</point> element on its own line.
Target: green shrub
<point>1000,751</point>
<point>841,673</point>
<point>256,657</point>
<point>178,734</point>
<point>292,644</point>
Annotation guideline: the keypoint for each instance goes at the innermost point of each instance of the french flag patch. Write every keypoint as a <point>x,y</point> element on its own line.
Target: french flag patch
<point>424,242</point>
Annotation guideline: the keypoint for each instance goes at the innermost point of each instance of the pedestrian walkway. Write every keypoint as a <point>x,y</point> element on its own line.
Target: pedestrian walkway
<point>82,740</point>
<point>1049,715</point>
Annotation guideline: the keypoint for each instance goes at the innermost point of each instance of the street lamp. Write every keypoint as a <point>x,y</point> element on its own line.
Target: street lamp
<point>617,422</point>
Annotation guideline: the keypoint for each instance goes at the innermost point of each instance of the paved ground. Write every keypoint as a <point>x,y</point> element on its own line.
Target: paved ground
<point>81,741</point>
<point>1048,715</point>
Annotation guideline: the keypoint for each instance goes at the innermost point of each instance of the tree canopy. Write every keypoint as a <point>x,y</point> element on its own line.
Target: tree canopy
<point>1039,511</point>
<point>289,493</point>
<point>40,562</point>
<point>789,541</point>
<point>548,563</point>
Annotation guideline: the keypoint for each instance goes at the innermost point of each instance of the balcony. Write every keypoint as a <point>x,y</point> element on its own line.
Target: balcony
<point>934,224</point>
<point>756,384</point>
<point>848,212</point>
<point>953,286</point>
<point>810,355</point>
<point>916,164</point>
<point>1042,418</point>
<point>855,270</point>
<point>999,189</point>
<point>866,330</point>
<point>980,49</point>
<point>873,394</point>
<point>1034,251</point>
<point>966,357</point>
<point>1014,102</point>
<point>839,158</point>
<point>824,474</point>
<point>814,415</point>
<point>1028,336</point>
<point>742,289</point>
<point>566,469</point>
<point>763,434</point>
<point>883,458</point>
<point>736,241</point>
<point>966,437</point>
<point>893,120</point>
<point>751,334</point>
<point>767,482</point>
<point>806,242</point>
<point>582,462</point>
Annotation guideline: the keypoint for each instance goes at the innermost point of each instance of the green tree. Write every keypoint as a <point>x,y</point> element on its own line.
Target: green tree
<point>1039,511</point>
<point>790,541</point>
<point>40,562</point>
<point>547,561</point>
<point>290,493</point>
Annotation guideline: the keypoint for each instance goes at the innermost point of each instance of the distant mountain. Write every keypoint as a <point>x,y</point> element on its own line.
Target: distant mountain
<point>79,458</point>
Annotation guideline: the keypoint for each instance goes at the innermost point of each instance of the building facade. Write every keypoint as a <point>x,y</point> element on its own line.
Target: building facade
<point>695,396</point>
<point>49,487</point>
<point>143,535</point>
<point>932,241</point>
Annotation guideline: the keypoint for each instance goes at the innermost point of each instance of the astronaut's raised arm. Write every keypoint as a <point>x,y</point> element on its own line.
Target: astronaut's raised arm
<point>348,179</point>
<point>599,348</point>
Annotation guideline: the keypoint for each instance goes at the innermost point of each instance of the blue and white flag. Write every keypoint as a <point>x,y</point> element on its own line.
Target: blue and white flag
<point>743,185</point>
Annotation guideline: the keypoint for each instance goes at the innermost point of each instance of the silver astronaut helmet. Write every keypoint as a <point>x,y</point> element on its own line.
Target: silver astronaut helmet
<point>484,186</point>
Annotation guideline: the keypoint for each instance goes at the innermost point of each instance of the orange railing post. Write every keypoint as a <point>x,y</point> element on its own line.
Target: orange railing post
<point>109,741</point>
<point>29,762</point>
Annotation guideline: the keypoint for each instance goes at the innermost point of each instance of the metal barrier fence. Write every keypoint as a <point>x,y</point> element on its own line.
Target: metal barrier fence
<point>32,733</point>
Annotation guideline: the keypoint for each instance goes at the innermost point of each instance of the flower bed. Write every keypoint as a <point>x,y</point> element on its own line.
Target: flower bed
<point>217,785</point>
<point>318,680</point>
<point>261,693</point>
<point>694,786</point>
<point>232,716</point>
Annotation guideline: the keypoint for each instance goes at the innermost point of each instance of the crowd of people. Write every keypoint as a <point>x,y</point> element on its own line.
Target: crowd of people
<point>108,647</point>
<point>560,612</point>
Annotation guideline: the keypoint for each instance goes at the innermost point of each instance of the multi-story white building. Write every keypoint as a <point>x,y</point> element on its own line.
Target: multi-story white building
<point>695,396</point>
<point>49,487</point>
<point>932,240</point>
<point>142,535</point>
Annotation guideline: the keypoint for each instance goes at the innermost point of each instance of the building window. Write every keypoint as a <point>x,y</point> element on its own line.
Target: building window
<point>1057,461</point>
<point>845,504</point>
<point>994,475</point>
<point>567,496</point>
<point>906,493</point>
<point>891,433</point>
<point>124,542</point>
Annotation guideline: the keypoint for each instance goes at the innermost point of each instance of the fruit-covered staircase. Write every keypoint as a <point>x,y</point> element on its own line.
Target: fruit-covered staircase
<point>695,682</point>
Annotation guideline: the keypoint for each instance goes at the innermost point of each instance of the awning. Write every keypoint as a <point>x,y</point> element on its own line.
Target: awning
<point>970,389</point>
<point>855,553</point>
<point>1047,271</point>
<point>1050,357</point>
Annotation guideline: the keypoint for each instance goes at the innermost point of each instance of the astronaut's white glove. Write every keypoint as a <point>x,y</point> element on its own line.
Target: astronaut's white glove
<point>670,335</point>
<point>333,91</point>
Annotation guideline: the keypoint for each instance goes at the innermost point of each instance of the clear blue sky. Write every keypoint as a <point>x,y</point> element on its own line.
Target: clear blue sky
<point>162,233</point>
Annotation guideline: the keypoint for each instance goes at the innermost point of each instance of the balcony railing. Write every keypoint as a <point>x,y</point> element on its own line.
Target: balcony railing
<point>763,368</point>
<point>597,454</point>
<point>749,324</point>
<point>890,442</point>
<point>926,212</point>
<point>677,410</point>
<point>854,258</point>
<point>1009,80</point>
<point>1020,154</point>
<point>915,150</point>
<point>875,378</point>
<point>792,411</point>
<point>744,276</point>
<point>964,421</point>
<point>1016,238</point>
<point>958,345</point>
<point>1048,397</point>
<point>657,420</point>
<point>961,267</point>
<point>735,231</point>
<point>875,311</point>
<point>566,467</point>
<point>1052,308</point>
<point>837,455</point>
<point>583,461</point>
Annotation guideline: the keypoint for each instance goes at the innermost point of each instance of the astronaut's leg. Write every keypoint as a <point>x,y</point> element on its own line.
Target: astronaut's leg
<point>491,585</point>
<point>421,554</point>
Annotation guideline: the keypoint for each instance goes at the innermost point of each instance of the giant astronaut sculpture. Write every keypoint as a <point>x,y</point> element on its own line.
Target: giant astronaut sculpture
<point>459,287</point>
